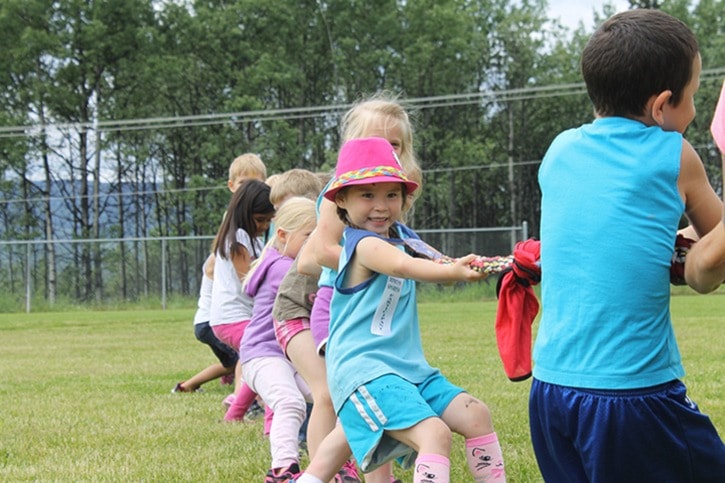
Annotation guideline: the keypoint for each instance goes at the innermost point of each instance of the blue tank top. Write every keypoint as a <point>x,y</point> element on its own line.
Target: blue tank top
<point>374,328</point>
<point>609,214</point>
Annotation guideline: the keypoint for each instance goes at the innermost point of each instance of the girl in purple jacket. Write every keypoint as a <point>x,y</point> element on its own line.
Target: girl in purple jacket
<point>265,368</point>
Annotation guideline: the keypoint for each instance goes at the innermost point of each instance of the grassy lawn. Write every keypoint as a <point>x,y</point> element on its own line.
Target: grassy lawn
<point>86,394</point>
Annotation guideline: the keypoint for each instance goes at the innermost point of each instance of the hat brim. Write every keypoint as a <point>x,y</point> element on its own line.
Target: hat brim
<point>410,186</point>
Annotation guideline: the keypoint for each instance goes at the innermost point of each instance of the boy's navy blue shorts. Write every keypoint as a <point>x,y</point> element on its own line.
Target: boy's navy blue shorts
<point>226,355</point>
<point>652,434</point>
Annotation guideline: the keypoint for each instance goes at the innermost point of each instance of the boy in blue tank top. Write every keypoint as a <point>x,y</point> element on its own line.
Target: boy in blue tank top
<point>607,403</point>
<point>390,402</point>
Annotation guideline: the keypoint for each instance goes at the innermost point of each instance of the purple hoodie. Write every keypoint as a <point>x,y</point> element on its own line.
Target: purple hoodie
<point>259,339</point>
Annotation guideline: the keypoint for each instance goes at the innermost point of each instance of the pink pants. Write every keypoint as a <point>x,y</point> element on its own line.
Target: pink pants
<point>285,392</point>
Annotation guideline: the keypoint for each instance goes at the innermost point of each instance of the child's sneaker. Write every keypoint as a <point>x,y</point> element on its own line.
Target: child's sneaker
<point>255,411</point>
<point>228,401</point>
<point>227,380</point>
<point>283,475</point>
<point>180,388</point>
<point>348,473</point>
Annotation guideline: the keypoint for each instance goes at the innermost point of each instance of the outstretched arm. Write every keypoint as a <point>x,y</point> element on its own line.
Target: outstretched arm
<point>375,255</point>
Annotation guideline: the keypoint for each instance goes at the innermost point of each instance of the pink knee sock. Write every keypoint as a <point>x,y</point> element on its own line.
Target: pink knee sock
<point>241,404</point>
<point>484,458</point>
<point>267,419</point>
<point>432,467</point>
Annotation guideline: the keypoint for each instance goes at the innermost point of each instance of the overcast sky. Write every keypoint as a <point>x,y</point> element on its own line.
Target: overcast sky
<point>570,12</point>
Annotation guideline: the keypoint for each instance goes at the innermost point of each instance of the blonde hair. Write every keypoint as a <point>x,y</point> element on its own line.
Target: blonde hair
<point>294,215</point>
<point>367,114</point>
<point>295,182</point>
<point>325,177</point>
<point>272,179</point>
<point>248,165</point>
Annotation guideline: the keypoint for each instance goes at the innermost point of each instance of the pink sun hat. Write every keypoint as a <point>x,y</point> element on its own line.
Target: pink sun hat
<point>365,161</point>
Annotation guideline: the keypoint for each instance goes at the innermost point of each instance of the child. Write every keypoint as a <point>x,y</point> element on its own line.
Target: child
<point>227,356</point>
<point>380,115</point>
<point>295,182</point>
<point>236,245</point>
<point>606,402</point>
<point>246,166</point>
<point>391,403</point>
<point>291,183</point>
<point>264,366</point>
<point>297,291</point>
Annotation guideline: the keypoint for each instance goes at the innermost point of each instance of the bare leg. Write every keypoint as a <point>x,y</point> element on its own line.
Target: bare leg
<point>331,455</point>
<point>430,436</point>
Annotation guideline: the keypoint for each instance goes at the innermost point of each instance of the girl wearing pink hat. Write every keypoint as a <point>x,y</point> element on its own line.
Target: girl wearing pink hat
<point>391,403</point>
<point>380,116</point>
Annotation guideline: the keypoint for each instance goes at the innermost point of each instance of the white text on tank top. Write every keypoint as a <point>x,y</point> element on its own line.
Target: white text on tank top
<point>383,317</point>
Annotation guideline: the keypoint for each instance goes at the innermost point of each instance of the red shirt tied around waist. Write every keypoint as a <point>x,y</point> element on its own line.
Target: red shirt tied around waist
<point>517,309</point>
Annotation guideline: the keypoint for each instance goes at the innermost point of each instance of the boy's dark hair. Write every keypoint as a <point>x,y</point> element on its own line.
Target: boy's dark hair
<point>634,55</point>
<point>251,198</point>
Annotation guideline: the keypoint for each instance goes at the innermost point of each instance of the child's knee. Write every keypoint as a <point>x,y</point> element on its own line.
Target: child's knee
<point>470,418</point>
<point>438,430</point>
<point>480,411</point>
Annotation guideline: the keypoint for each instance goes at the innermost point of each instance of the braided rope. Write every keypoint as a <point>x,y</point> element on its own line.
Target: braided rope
<point>488,265</point>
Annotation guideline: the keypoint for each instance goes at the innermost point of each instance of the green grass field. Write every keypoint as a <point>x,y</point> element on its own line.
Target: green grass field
<point>86,394</point>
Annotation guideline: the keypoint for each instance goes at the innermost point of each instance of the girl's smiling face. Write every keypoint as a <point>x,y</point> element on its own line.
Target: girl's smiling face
<point>373,207</point>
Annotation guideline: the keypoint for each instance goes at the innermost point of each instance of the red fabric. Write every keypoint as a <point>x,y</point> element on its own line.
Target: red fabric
<point>517,309</point>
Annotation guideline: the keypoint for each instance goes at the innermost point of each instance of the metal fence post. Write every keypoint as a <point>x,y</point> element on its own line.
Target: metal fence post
<point>163,273</point>
<point>28,290</point>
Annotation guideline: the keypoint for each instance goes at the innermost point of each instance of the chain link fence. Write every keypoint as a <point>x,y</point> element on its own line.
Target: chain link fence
<point>113,272</point>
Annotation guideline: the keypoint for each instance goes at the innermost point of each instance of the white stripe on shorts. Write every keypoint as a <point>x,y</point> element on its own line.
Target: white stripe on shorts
<point>373,404</point>
<point>363,414</point>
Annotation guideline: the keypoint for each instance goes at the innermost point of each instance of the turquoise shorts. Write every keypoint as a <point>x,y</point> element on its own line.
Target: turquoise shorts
<point>391,403</point>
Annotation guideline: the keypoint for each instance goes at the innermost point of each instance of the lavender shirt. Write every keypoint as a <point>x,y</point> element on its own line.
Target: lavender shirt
<point>259,339</point>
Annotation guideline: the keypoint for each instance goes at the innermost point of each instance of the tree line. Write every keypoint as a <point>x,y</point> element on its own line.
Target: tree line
<point>143,104</point>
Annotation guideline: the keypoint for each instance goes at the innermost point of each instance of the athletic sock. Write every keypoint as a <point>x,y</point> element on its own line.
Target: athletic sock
<point>432,467</point>
<point>484,459</point>
<point>241,404</point>
<point>307,478</point>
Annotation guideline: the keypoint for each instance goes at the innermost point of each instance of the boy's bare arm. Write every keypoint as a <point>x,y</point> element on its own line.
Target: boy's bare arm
<point>702,205</point>
<point>705,263</point>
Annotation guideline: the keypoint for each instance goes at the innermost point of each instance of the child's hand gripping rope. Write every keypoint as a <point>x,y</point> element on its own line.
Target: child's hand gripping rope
<point>488,265</point>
